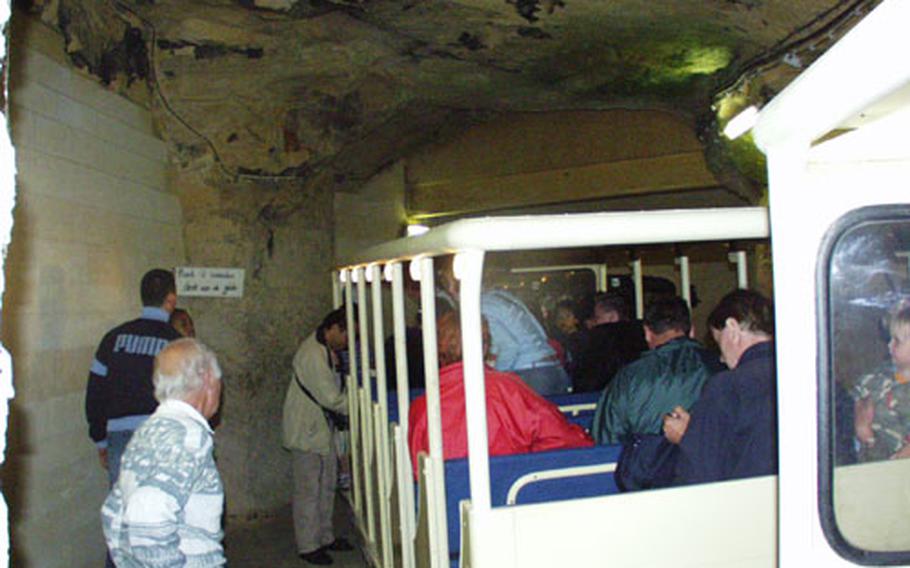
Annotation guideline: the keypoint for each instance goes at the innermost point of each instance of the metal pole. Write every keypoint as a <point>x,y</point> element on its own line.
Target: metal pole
<point>403,469</point>
<point>742,269</point>
<point>474,383</point>
<point>381,430</point>
<point>683,262</point>
<point>439,547</point>
<point>353,399</point>
<point>639,288</point>
<point>366,400</point>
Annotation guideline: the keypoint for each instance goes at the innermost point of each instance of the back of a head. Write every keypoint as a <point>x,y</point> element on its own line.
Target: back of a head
<point>180,369</point>
<point>156,285</point>
<point>607,302</point>
<point>448,338</point>
<point>668,313</point>
<point>752,311</point>
<point>338,317</point>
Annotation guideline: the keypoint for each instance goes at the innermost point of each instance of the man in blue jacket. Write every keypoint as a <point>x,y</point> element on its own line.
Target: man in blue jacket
<point>120,396</point>
<point>731,432</point>
<point>672,373</point>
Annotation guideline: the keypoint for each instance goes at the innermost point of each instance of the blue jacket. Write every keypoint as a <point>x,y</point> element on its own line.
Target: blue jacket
<point>732,433</point>
<point>518,340</point>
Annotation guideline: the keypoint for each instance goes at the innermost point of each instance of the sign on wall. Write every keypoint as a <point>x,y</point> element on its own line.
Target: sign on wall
<point>209,282</point>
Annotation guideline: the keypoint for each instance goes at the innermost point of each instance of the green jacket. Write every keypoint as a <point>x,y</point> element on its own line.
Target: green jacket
<point>646,389</point>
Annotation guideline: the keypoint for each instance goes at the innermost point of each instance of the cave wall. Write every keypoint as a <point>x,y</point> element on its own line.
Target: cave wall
<point>281,235</point>
<point>93,213</point>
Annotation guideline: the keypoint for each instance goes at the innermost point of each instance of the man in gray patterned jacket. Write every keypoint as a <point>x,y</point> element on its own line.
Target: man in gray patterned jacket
<point>165,508</point>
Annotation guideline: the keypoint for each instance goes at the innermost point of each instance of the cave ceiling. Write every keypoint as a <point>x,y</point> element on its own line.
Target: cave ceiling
<point>311,88</point>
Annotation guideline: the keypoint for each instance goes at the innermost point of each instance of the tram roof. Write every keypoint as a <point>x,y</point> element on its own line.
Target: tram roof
<point>529,232</point>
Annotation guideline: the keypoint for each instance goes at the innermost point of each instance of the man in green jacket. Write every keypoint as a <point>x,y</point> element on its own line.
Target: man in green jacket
<point>671,373</point>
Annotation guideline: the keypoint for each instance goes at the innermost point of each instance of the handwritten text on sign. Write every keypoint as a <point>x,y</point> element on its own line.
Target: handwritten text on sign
<point>212,282</point>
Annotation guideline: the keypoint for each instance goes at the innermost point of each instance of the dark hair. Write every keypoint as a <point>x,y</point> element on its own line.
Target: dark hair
<point>156,285</point>
<point>666,313</point>
<point>335,317</point>
<point>177,313</point>
<point>610,302</point>
<point>751,310</point>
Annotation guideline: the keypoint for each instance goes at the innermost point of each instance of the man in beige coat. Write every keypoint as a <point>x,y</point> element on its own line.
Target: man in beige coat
<point>316,387</point>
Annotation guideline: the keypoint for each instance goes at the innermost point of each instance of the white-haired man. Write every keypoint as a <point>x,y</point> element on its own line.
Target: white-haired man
<point>165,508</point>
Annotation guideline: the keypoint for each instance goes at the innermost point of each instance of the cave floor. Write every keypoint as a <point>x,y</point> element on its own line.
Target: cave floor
<point>268,542</point>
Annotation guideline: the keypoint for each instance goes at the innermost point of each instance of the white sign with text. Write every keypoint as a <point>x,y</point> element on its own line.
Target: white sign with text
<point>209,282</point>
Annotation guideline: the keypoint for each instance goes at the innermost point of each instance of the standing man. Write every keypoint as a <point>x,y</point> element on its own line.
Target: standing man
<point>120,396</point>
<point>314,392</point>
<point>165,508</point>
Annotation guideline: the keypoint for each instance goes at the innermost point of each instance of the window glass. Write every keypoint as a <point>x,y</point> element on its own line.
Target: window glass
<point>866,387</point>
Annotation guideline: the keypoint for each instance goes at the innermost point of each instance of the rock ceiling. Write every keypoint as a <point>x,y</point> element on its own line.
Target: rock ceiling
<point>342,87</point>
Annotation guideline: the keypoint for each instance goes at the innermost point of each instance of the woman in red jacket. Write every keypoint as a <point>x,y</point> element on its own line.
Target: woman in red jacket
<point>518,419</point>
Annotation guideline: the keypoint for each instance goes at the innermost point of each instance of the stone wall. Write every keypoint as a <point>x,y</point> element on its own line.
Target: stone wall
<point>93,213</point>
<point>281,235</point>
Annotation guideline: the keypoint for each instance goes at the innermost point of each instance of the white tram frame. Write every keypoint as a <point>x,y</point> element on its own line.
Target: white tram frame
<point>863,84</point>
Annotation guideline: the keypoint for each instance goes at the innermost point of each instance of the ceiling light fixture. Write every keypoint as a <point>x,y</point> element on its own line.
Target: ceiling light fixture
<point>741,123</point>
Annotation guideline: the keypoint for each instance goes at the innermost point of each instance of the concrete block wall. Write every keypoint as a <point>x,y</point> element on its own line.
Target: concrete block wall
<point>93,213</point>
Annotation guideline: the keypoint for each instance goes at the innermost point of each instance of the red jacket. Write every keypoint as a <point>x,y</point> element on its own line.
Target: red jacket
<point>518,419</point>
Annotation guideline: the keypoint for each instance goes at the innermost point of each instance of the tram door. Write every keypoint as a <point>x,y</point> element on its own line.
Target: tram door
<point>839,174</point>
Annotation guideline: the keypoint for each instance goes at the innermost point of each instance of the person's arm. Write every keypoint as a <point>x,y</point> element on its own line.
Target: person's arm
<point>312,369</point>
<point>96,400</point>
<point>676,422</point>
<point>611,416</point>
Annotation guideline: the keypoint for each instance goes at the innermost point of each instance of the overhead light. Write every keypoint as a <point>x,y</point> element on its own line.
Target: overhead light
<point>415,230</point>
<point>741,123</point>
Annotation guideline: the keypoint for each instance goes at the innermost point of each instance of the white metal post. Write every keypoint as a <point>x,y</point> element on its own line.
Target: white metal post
<point>639,288</point>
<point>366,402</point>
<point>439,547</point>
<point>742,269</point>
<point>381,430</point>
<point>403,469</point>
<point>683,262</point>
<point>474,383</point>
<point>600,276</point>
<point>336,289</point>
<point>353,399</point>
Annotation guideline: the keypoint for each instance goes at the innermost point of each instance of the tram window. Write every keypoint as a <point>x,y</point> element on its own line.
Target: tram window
<point>864,386</point>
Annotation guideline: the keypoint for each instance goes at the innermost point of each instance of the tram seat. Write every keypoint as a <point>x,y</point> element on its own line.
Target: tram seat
<point>538,477</point>
<point>578,408</point>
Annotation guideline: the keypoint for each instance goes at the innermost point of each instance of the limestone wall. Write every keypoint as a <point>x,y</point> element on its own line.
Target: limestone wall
<point>93,213</point>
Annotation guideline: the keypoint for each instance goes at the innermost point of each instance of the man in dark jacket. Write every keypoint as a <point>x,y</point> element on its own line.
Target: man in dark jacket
<point>672,373</point>
<point>120,396</point>
<point>731,432</point>
<point>612,342</point>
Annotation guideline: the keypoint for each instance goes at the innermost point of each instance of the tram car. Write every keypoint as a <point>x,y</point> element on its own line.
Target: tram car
<point>838,224</point>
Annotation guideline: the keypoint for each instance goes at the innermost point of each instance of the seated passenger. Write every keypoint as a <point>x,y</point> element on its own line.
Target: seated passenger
<point>672,373</point>
<point>882,410</point>
<point>520,343</point>
<point>518,419</point>
<point>612,342</point>
<point>731,432</point>
<point>566,329</point>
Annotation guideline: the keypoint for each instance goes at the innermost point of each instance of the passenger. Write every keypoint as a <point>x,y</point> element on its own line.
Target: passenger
<point>520,343</point>
<point>518,419</point>
<point>567,329</point>
<point>882,408</point>
<point>671,373</point>
<point>613,342</point>
<point>732,430</point>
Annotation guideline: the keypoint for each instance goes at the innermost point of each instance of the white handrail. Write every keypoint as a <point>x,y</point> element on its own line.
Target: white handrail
<point>549,474</point>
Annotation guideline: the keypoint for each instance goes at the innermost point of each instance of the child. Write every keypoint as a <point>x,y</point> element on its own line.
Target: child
<point>882,408</point>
